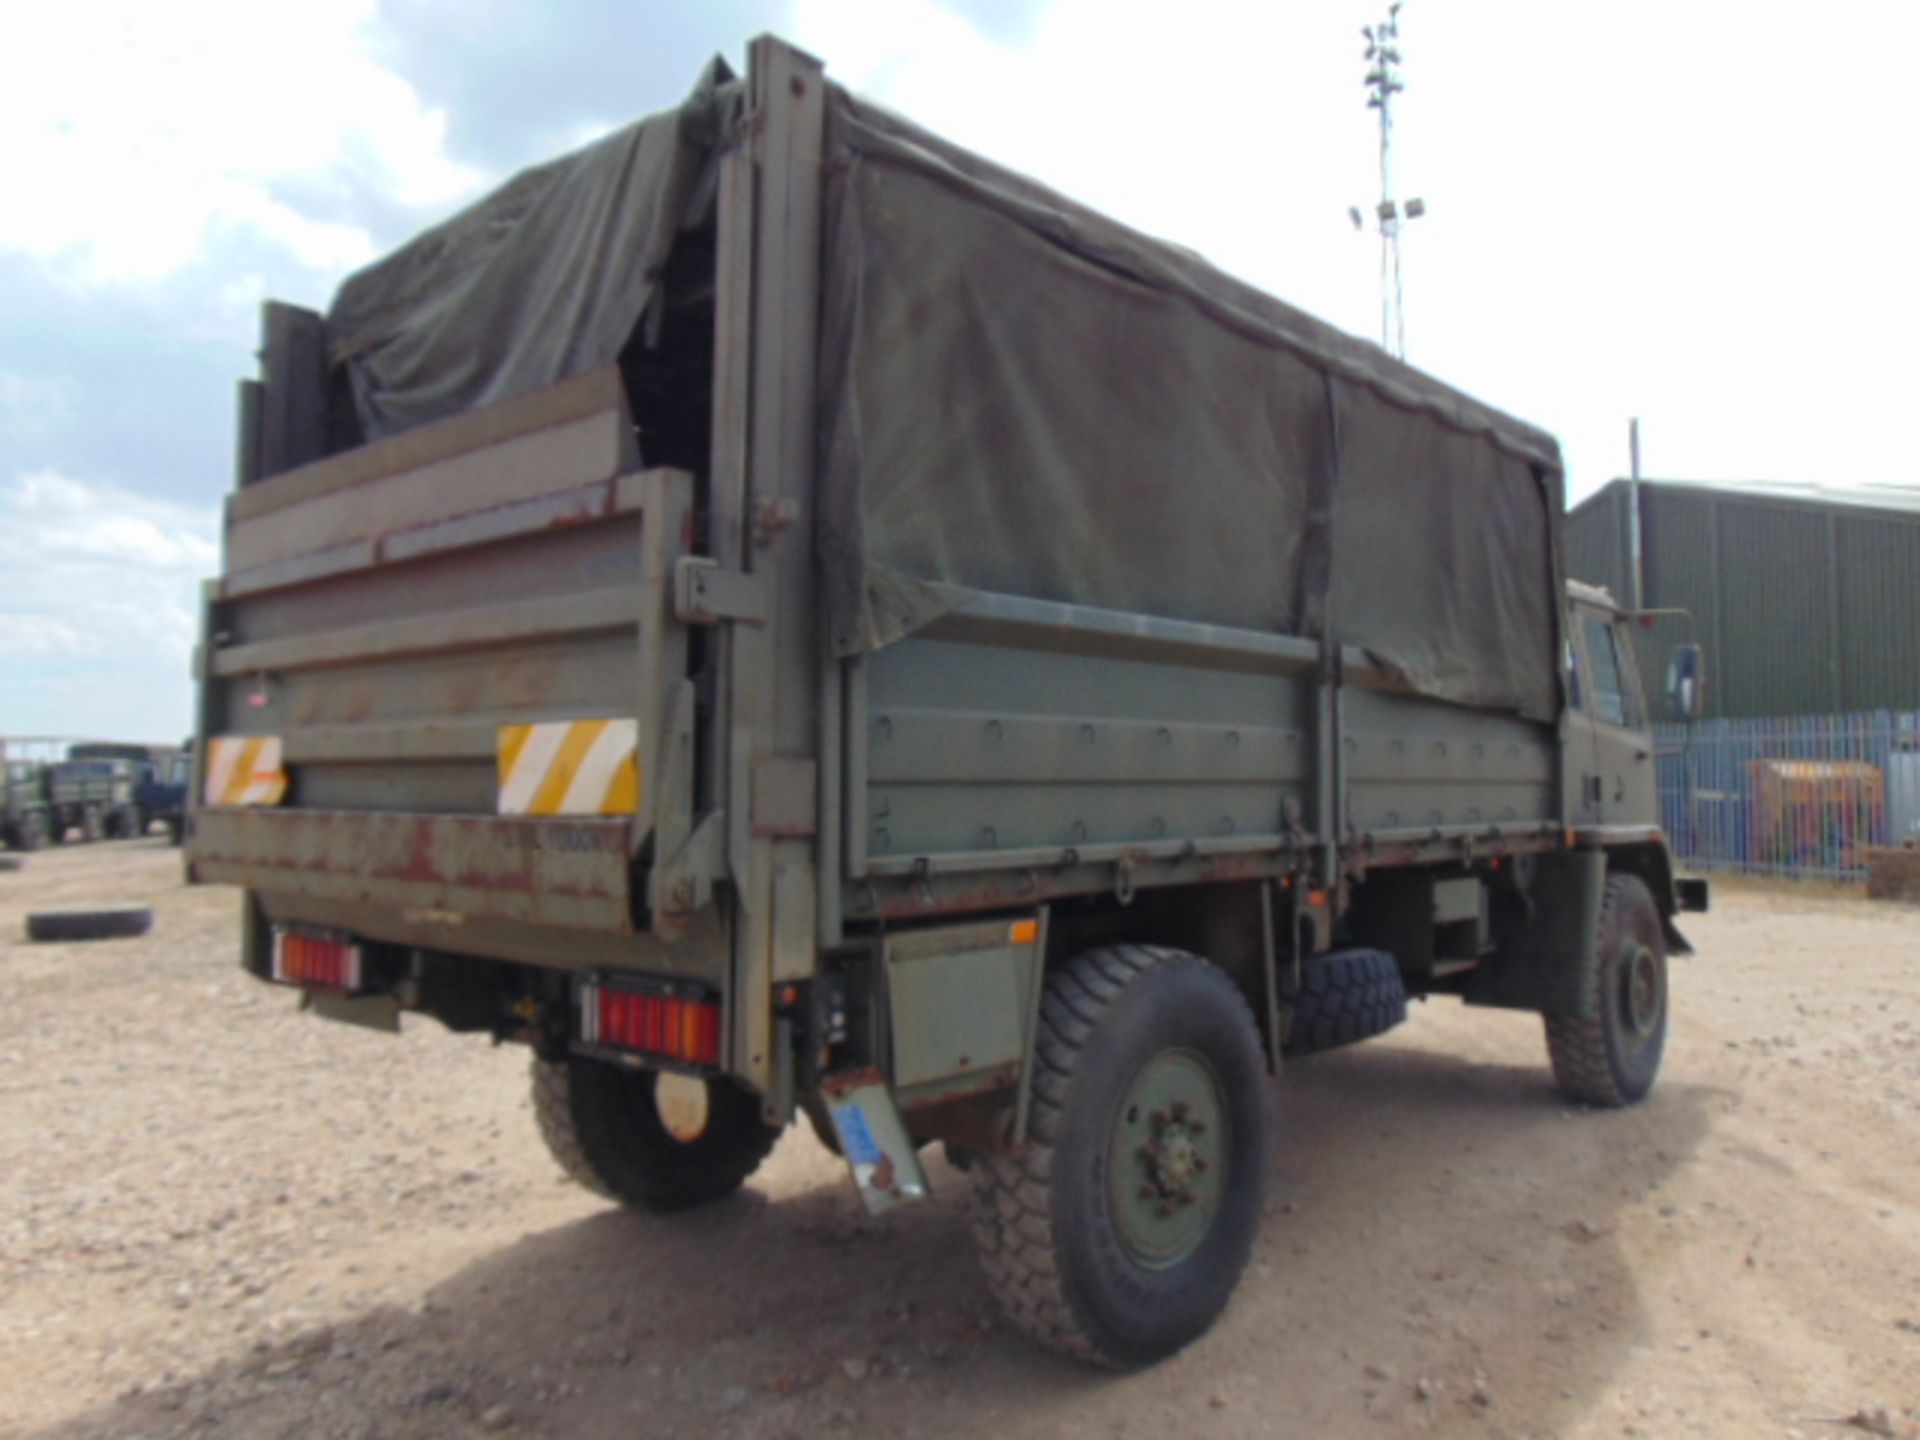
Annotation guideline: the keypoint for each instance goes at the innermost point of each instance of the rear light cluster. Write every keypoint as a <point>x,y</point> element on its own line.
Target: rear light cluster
<point>679,1027</point>
<point>316,962</point>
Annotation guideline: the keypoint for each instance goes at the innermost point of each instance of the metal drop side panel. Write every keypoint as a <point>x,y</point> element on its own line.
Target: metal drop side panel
<point>387,612</point>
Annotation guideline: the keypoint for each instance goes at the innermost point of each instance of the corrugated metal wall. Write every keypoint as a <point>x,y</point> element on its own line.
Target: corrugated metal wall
<point>1803,608</point>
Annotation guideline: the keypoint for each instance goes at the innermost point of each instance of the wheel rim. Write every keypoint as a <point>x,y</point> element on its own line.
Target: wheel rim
<point>1642,995</point>
<point>1167,1159</point>
<point>683,1105</point>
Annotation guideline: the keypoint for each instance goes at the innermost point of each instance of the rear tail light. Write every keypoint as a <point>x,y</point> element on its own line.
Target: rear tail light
<point>664,1023</point>
<point>316,962</point>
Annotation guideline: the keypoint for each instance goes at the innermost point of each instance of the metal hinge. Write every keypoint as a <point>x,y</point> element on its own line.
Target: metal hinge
<point>704,594</point>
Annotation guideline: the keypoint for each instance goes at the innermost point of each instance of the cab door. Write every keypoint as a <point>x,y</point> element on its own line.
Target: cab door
<point>1620,785</point>
<point>1582,748</point>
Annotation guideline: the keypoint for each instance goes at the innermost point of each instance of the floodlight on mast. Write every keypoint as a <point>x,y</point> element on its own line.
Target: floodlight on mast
<point>1383,83</point>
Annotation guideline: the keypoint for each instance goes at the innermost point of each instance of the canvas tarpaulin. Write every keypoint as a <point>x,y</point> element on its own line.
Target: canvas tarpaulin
<point>1021,396</point>
<point>546,277</point>
<point>1018,395</point>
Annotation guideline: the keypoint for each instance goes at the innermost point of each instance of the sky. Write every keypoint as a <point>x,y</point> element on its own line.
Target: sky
<point>1692,212</point>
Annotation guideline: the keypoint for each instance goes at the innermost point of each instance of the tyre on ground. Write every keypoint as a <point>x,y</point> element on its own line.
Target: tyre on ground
<point>1118,1231</point>
<point>653,1142</point>
<point>93,922</point>
<point>1612,1057</point>
<point>1342,999</point>
<point>29,833</point>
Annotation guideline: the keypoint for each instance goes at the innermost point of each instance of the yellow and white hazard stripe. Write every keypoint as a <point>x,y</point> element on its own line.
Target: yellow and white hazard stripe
<point>570,767</point>
<point>244,770</point>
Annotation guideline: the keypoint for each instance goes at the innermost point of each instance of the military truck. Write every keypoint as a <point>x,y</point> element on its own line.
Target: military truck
<point>93,795</point>
<point>787,618</point>
<point>162,793</point>
<point>25,816</point>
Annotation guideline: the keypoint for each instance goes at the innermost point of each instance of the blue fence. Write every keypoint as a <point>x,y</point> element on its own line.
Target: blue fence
<point>1805,796</point>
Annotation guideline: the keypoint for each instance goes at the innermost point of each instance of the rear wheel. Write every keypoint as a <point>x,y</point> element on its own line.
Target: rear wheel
<point>1613,1057</point>
<point>1118,1232</point>
<point>651,1141</point>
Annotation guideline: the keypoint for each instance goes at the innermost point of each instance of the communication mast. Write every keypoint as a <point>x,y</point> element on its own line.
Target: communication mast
<point>1383,83</point>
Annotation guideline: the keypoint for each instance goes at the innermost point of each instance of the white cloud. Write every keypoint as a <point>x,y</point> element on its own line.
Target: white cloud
<point>133,129</point>
<point>36,407</point>
<point>99,609</point>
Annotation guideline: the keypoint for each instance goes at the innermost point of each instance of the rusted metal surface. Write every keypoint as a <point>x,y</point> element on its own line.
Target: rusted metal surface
<point>571,873</point>
<point>463,530</point>
<point>580,452</point>
<point>559,404</point>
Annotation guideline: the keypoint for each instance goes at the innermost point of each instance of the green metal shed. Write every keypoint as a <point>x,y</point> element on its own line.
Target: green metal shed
<point>1807,600</point>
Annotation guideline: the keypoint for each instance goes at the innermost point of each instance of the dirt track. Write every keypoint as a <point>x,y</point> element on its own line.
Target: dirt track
<point>221,1218</point>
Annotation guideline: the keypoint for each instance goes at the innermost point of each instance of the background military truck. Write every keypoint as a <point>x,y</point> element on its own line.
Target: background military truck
<point>162,792</point>
<point>96,789</point>
<point>25,815</point>
<point>782,616</point>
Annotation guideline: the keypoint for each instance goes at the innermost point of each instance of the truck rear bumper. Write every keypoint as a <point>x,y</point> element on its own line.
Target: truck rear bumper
<point>574,874</point>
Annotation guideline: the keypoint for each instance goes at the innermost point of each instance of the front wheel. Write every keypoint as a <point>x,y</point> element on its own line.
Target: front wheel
<point>1118,1231</point>
<point>1613,1057</point>
<point>651,1141</point>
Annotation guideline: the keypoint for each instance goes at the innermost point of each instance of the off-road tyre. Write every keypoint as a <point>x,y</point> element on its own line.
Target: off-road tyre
<point>600,1122</point>
<point>1044,1213</point>
<point>28,834</point>
<point>114,922</point>
<point>1612,1058</point>
<point>1342,999</point>
<point>176,829</point>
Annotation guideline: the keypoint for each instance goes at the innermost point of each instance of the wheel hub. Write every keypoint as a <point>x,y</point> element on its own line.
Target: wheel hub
<point>1166,1158</point>
<point>1642,990</point>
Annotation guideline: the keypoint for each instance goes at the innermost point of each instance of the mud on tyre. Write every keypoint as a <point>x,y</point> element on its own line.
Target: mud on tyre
<point>1118,1232</point>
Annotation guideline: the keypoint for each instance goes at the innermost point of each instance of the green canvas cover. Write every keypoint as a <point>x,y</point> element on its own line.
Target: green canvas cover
<point>1018,395</point>
<point>546,277</point>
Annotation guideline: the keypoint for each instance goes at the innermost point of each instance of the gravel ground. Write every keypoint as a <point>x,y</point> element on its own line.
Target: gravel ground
<point>219,1217</point>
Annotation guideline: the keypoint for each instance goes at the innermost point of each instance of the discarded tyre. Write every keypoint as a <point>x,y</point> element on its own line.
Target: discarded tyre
<point>1342,999</point>
<point>115,922</point>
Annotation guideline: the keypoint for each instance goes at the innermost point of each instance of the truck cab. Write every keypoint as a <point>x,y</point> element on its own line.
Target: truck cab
<point>1610,741</point>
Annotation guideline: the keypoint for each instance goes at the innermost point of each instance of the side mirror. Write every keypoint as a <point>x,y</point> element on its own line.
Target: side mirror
<point>1686,683</point>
